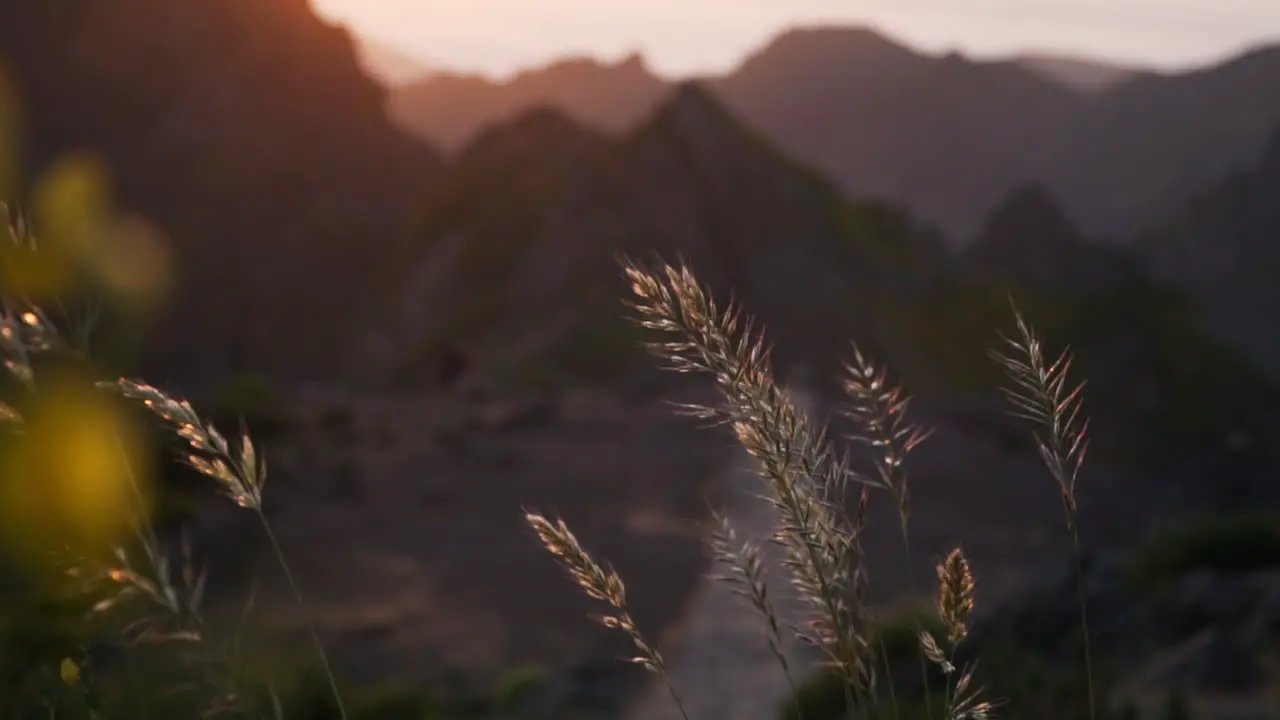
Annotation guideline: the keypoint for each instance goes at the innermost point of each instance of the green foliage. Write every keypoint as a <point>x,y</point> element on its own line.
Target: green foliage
<point>1034,687</point>
<point>881,231</point>
<point>1203,389</point>
<point>515,689</point>
<point>594,350</point>
<point>308,696</point>
<point>1224,545</point>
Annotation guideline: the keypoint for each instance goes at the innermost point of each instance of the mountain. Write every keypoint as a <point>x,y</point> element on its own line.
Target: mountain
<point>536,210</point>
<point>1029,239</point>
<point>943,135</point>
<point>1143,148</point>
<point>388,65</point>
<point>948,136</point>
<point>450,109</point>
<point>539,207</point>
<point>1078,73</point>
<point>1223,247</point>
<point>245,129</point>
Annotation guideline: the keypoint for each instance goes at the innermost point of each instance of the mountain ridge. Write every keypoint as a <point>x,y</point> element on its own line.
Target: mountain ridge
<point>884,120</point>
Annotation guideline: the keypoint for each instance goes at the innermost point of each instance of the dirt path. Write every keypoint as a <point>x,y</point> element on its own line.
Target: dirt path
<point>722,667</point>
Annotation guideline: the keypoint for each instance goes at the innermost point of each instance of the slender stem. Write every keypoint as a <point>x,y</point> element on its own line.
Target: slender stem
<point>915,592</point>
<point>145,529</point>
<point>676,697</point>
<point>311,629</point>
<point>1080,597</point>
<point>776,645</point>
<point>947,697</point>
<point>888,678</point>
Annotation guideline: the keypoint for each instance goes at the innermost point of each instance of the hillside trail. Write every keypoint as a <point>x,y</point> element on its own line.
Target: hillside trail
<point>721,665</point>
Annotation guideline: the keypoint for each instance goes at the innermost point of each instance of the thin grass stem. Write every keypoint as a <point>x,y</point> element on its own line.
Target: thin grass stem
<point>302,605</point>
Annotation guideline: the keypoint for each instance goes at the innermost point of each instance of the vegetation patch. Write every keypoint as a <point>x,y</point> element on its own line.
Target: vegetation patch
<point>1223,545</point>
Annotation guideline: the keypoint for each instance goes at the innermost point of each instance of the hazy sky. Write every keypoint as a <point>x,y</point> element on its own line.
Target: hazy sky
<point>690,36</point>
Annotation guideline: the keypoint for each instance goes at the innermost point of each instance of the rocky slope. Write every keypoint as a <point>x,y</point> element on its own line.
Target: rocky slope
<point>247,131</point>
<point>539,209</point>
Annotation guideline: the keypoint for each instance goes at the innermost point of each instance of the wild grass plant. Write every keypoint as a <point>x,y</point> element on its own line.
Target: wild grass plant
<point>120,587</point>
<point>810,483</point>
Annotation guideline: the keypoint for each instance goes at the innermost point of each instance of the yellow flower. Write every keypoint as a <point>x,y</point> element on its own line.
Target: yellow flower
<point>70,672</point>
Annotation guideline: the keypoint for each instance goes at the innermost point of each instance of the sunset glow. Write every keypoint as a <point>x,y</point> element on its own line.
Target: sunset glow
<point>690,36</point>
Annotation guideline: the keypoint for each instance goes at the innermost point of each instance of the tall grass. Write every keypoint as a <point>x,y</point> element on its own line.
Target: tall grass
<point>172,595</point>
<point>809,482</point>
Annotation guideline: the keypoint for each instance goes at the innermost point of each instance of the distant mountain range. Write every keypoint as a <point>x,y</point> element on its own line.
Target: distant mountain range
<point>536,210</point>
<point>943,135</point>
<point>291,198</point>
<point>450,109</point>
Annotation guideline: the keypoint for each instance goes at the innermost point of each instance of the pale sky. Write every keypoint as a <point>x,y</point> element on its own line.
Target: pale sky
<point>683,37</point>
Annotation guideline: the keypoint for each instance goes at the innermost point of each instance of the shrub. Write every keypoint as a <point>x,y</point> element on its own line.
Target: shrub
<point>1226,545</point>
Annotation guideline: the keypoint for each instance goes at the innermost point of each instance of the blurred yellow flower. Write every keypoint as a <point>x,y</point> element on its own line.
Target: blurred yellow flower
<point>70,672</point>
<point>77,476</point>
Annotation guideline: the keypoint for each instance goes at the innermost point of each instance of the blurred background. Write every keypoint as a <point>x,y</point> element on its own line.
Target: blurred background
<point>384,235</point>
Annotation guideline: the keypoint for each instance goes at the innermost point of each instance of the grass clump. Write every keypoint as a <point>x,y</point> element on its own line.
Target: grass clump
<point>93,587</point>
<point>1226,545</point>
<point>809,482</point>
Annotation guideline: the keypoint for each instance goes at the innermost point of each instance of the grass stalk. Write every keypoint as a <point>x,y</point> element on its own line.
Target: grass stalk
<point>1041,392</point>
<point>307,620</point>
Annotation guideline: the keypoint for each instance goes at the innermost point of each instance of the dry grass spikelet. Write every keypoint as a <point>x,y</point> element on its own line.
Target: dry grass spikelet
<point>955,595</point>
<point>806,478</point>
<point>880,408</point>
<point>240,471</point>
<point>1040,391</point>
<point>600,584</point>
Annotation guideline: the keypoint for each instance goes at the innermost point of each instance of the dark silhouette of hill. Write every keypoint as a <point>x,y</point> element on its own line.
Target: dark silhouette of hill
<point>451,109</point>
<point>1224,247</point>
<point>246,129</point>
<point>1029,239</point>
<point>943,135</point>
<point>692,181</point>
<point>536,211</point>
